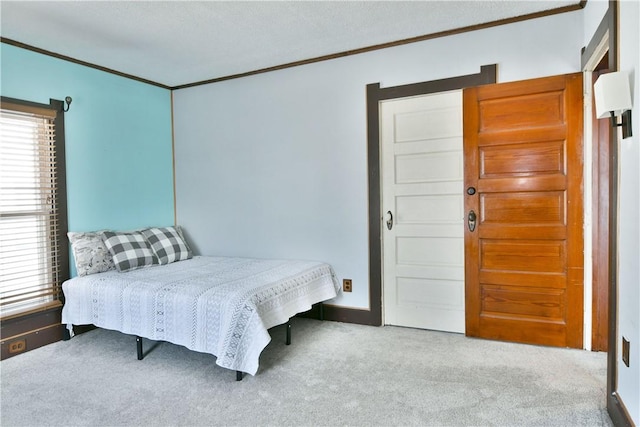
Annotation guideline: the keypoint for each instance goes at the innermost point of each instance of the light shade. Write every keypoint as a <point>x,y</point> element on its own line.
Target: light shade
<point>612,93</point>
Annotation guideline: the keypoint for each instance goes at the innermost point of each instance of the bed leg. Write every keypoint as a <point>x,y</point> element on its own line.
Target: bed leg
<point>321,311</point>
<point>239,375</point>
<point>288,340</point>
<point>139,347</point>
<point>66,333</point>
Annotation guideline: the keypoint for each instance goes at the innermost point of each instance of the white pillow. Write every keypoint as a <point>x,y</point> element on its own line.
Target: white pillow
<point>89,253</point>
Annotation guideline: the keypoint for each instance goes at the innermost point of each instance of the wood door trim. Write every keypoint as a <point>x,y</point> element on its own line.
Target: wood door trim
<point>375,94</point>
<point>615,408</point>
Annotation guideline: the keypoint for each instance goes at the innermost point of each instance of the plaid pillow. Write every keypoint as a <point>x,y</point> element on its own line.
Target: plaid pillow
<point>129,250</point>
<point>167,244</point>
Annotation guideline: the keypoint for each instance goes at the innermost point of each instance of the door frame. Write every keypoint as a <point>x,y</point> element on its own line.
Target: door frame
<point>607,33</point>
<point>375,94</point>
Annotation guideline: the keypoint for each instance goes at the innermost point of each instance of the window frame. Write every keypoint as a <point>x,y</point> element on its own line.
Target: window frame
<point>59,243</point>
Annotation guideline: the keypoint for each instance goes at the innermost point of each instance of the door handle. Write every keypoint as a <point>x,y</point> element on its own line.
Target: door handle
<point>471,220</point>
<point>390,220</point>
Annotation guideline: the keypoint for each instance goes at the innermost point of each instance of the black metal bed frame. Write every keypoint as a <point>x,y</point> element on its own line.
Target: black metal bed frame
<point>239,374</point>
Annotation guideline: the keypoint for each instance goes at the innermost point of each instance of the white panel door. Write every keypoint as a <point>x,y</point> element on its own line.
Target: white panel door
<point>422,174</point>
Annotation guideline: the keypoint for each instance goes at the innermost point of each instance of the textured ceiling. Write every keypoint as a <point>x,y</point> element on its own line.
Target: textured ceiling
<point>181,42</point>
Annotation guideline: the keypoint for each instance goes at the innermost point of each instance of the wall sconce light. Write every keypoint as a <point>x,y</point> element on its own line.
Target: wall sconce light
<point>613,97</point>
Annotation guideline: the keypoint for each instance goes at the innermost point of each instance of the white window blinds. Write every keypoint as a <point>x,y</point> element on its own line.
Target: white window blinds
<point>29,212</point>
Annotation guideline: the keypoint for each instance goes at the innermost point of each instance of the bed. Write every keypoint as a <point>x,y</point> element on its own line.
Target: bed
<point>217,305</point>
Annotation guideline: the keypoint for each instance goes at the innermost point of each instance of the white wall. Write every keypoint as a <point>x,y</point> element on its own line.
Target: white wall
<point>593,13</point>
<point>275,165</point>
<point>629,219</point>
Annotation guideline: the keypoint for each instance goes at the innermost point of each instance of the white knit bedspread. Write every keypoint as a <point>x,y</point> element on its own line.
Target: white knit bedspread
<point>221,306</point>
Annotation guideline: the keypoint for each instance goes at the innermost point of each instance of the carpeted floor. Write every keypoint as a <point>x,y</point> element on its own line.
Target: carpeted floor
<point>332,374</point>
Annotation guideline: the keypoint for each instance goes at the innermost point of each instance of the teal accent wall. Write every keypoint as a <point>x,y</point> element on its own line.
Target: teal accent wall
<point>118,139</point>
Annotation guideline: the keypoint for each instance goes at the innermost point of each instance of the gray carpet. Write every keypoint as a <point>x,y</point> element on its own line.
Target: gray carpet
<point>332,374</point>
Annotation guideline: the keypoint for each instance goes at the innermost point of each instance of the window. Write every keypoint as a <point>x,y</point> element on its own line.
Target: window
<point>33,246</point>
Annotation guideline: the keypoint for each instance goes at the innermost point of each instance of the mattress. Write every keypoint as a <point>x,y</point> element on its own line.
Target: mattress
<point>216,305</point>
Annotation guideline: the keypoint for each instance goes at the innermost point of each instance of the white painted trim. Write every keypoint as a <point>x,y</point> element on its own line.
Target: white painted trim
<point>591,64</point>
<point>598,53</point>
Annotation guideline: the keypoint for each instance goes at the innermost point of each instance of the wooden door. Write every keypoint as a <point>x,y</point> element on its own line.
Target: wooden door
<point>422,180</point>
<point>524,259</point>
<point>600,220</point>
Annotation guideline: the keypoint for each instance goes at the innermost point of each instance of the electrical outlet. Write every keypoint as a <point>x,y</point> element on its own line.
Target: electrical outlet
<point>17,346</point>
<point>346,285</point>
<point>625,351</point>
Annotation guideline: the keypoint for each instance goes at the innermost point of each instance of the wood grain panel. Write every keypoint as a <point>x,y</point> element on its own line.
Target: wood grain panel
<point>535,302</point>
<point>527,232</point>
<point>523,329</point>
<point>522,159</point>
<point>522,184</point>
<point>517,136</point>
<point>525,111</point>
<point>523,208</point>
<point>541,255</point>
<point>524,279</point>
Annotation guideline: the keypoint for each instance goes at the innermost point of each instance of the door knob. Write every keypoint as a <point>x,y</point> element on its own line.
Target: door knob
<point>390,220</point>
<point>471,220</point>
